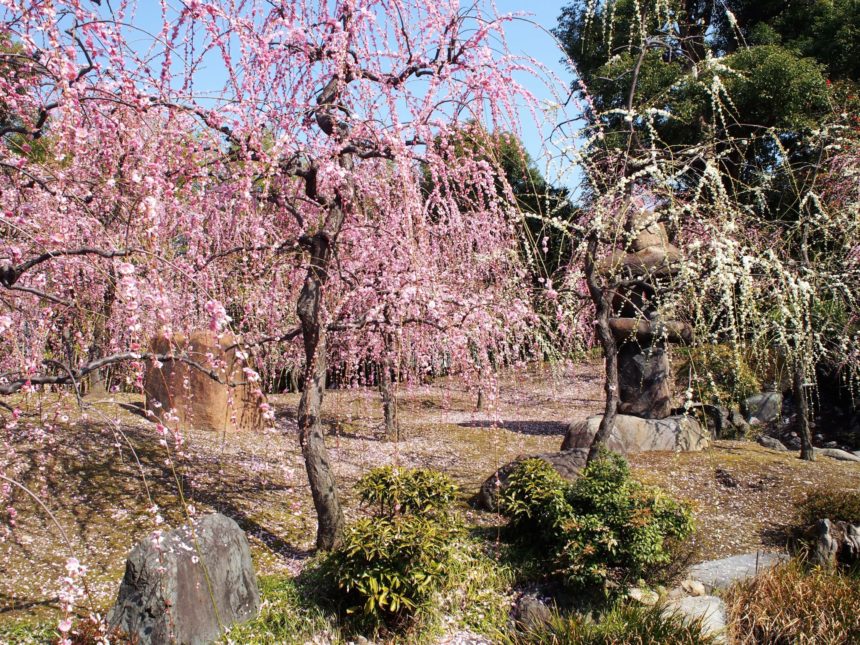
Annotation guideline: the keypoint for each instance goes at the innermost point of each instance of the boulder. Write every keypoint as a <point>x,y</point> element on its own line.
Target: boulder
<point>531,611</point>
<point>634,434</point>
<point>187,585</point>
<point>772,443</point>
<point>835,543</point>
<point>717,575</point>
<point>836,453</point>
<point>710,610</point>
<point>196,399</point>
<point>766,407</point>
<point>568,464</point>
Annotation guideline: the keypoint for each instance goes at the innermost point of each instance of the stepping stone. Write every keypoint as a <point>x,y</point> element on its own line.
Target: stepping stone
<point>718,575</point>
<point>710,609</point>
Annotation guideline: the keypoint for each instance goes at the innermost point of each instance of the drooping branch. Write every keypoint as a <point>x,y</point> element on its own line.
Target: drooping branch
<point>72,376</point>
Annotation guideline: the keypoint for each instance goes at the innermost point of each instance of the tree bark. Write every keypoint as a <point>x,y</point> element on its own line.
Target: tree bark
<point>96,380</point>
<point>330,521</point>
<point>602,299</point>
<point>807,452</point>
<point>388,392</point>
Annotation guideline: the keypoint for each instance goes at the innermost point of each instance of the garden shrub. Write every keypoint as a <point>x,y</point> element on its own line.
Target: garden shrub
<point>391,565</point>
<point>605,529</point>
<point>397,491</point>
<point>535,498</point>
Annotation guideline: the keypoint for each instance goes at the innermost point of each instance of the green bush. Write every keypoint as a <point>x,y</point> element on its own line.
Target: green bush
<point>620,528</point>
<point>396,491</point>
<point>391,565</point>
<point>535,499</point>
<point>623,624</point>
<point>834,505</point>
<point>605,529</point>
<point>388,567</point>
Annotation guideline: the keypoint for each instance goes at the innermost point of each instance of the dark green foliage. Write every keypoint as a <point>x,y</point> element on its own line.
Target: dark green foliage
<point>606,529</point>
<point>623,624</point>
<point>397,491</point>
<point>834,505</point>
<point>534,499</point>
<point>390,565</point>
<point>620,527</point>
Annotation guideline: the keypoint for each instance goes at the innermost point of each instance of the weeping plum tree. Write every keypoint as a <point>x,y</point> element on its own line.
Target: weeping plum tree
<point>744,153</point>
<point>290,172</point>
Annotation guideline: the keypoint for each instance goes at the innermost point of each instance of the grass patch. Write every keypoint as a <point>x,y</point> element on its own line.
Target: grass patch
<point>622,624</point>
<point>793,604</point>
<point>832,504</point>
<point>28,632</point>
<point>291,612</point>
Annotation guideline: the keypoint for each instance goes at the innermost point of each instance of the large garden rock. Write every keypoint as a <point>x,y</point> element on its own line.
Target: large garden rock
<point>709,609</point>
<point>198,400</point>
<point>836,543</point>
<point>187,585</point>
<point>772,443</point>
<point>568,464</point>
<point>634,434</point>
<point>721,574</point>
<point>765,407</point>
<point>836,453</point>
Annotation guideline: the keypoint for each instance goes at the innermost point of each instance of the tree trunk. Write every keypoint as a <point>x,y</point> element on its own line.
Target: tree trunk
<point>95,381</point>
<point>330,521</point>
<point>388,391</point>
<point>807,452</point>
<point>602,299</point>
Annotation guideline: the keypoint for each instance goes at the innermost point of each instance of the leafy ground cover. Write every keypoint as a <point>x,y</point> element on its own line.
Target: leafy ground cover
<point>102,493</point>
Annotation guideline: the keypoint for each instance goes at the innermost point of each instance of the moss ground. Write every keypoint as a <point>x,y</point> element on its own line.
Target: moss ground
<point>100,471</point>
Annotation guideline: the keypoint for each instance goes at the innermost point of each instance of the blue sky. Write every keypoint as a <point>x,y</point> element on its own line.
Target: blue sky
<point>524,38</point>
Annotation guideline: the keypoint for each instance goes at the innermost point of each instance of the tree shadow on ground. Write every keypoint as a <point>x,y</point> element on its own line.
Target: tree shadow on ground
<point>521,427</point>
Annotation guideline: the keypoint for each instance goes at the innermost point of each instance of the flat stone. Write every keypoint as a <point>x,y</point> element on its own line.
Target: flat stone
<point>633,434</point>
<point>709,609</point>
<point>772,443</point>
<point>568,464</point>
<point>187,585</point>
<point>717,575</point>
<point>836,453</point>
<point>644,596</point>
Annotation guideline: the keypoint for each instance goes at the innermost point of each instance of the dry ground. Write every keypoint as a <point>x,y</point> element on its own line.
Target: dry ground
<point>99,475</point>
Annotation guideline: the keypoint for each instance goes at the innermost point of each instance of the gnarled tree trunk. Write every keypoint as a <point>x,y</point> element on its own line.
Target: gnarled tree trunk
<point>602,299</point>
<point>330,521</point>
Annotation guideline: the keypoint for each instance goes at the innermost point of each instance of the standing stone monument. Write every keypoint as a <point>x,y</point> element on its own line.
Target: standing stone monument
<point>194,397</point>
<point>188,585</point>
<point>645,382</point>
<point>643,336</point>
